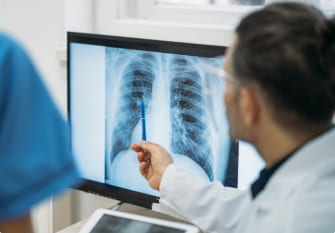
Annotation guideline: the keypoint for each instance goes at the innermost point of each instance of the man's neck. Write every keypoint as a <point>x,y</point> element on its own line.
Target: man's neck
<point>281,143</point>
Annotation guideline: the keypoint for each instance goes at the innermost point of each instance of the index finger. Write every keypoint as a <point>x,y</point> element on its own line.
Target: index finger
<point>136,148</point>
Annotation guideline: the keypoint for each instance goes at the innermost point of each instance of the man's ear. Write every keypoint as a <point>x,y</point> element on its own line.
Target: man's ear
<point>250,106</point>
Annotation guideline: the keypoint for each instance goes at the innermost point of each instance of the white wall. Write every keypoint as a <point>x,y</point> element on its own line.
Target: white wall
<point>39,26</point>
<point>108,22</point>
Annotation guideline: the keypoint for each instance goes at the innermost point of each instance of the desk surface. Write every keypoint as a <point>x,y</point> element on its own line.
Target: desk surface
<point>75,228</point>
<point>129,209</point>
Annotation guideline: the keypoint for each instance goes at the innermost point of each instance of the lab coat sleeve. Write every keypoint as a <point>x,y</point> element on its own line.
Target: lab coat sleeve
<point>208,205</point>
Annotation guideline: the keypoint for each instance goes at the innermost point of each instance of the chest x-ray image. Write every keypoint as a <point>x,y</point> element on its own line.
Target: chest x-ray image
<point>183,102</point>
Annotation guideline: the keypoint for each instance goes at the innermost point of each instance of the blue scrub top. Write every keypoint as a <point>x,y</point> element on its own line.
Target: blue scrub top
<point>35,156</point>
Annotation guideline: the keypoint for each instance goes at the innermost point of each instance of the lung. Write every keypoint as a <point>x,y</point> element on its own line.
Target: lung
<point>188,119</point>
<point>136,85</point>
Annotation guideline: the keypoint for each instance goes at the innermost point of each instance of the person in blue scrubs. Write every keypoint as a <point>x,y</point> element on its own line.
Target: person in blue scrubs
<point>35,156</point>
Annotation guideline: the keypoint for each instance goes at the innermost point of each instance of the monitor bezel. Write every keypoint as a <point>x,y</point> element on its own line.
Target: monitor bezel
<point>122,194</point>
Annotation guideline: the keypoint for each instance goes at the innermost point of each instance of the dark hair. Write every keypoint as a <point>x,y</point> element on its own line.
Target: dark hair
<point>288,49</point>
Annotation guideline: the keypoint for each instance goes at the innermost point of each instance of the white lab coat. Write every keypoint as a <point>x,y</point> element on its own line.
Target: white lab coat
<point>299,197</point>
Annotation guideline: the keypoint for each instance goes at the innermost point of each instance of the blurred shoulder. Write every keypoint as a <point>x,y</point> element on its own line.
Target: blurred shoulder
<point>6,39</point>
<point>8,43</point>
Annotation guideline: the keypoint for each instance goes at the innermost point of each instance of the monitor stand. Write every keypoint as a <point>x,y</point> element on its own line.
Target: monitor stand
<point>155,207</point>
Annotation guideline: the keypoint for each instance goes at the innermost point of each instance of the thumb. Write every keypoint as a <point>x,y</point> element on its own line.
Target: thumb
<point>149,146</point>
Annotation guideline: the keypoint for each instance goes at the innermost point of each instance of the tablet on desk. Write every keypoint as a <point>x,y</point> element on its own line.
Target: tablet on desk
<point>109,221</point>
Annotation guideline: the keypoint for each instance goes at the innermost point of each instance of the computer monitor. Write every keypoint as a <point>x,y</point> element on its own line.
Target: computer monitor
<point>123,90</point>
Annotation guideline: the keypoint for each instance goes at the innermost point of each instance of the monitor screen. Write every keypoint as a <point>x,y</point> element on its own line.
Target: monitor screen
<point>124,90</point>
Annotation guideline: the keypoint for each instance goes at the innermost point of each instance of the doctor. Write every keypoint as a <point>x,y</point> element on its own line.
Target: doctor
<point>280,96</point>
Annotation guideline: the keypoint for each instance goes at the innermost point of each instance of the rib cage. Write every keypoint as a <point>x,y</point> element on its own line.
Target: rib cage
<point>189,130</point>
<point>137,81</point>
<point>186,101</point>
